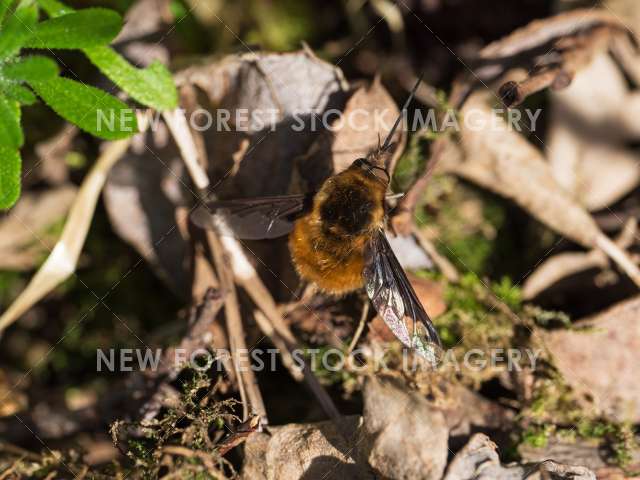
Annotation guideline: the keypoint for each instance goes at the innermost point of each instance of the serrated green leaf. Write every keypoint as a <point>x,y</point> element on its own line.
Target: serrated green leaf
<point>17,92</point>
<point>17,30</point>
<point>10,165</point>
<point>32,68</point>
<point>91,109</point>
<point>85,28</point>
<point>55,8</point>
<point>152,86</point>
<point>10,131</point>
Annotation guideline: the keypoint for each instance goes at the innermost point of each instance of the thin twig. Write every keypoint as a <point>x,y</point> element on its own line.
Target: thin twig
<point>62,261</point>
<point>444,265</point>
<point>247,277</point>
<point>402,221</point>
<point>361,324</point>
<point>247,382</point>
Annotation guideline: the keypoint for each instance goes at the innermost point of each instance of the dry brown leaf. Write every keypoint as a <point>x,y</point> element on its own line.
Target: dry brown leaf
<point>24,239</point>
<point>52,154</point>
<point>140,196</point>
<point>479,460</point>
<point>551,50</point>
<point>268,88</point>
<point>586,140</point>
<point>297,451</point>
<point>408,435</point>
<point>587,359</point>
<point>563,265</point>
<point>372,109</point>
<point>504,162</point>
<point>144,18</point>
<point>586,452</point>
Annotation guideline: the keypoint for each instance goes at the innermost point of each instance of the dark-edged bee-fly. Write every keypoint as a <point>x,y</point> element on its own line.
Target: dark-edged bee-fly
<point>337,240</point>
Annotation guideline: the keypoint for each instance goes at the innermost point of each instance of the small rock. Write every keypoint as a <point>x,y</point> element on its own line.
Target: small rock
<point>306,451</point>
<point>408,437</point>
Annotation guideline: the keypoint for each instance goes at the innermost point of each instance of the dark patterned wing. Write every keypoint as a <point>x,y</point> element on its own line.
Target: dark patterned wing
<point>395,300</point>
<point>254,218</point>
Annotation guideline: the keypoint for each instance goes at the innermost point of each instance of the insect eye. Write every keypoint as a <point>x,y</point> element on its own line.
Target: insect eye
<point>359,162</point>
<point>381,173</point>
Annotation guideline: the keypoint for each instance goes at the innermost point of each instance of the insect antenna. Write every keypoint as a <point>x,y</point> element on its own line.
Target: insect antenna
<point>387,141</point>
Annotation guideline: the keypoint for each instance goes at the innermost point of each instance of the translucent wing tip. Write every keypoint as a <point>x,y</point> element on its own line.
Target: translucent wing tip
<point>431,352</point>
<point>202,217</point>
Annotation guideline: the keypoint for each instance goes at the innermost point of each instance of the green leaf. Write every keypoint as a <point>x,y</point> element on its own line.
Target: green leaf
<point>15,91</point>
<point>10,165</point>
<point>91,109</point>
<point>10,133</point>
<point>85,28</point>
<point>17,30</point>
<point>32,69</point>
<point>152,86</point>
<point>55,8</point>
<point>5,5</point>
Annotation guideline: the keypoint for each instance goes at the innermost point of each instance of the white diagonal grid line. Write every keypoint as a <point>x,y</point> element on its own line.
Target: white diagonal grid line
<point>105,93</point>
<point>100,300</point>
<point>197,197</point>
<point>533,133</point>
<point>115,285</point>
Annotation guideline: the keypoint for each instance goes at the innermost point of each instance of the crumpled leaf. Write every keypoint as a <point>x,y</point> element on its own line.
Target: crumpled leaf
<point>576,451</point>
<point>408,436</point>
<point>565,264</point>
<point>316,450</point>
<point>145,17</point>
<point>271,88</point>
<point>479,460</point>
<point>400,436</point>
<point>142,192</point>
<point>140,196</point>
<point>586,144</point>
<point>359,136</point>
<point>504,162</point>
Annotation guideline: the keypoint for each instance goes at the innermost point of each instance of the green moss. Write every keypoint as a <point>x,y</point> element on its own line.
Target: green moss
<point>331,372</point>
<point>281,24</point>
<point>466,223</point>
<point>411,163</point>
<point>192,423</point>
<point>470,320</point>
<point>554,409</point>
<point>537,436</point>
<point>509,293</point>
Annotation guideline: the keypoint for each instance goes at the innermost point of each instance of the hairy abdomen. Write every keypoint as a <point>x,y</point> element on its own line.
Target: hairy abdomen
<point>327,245</point>
<point>335,268</point>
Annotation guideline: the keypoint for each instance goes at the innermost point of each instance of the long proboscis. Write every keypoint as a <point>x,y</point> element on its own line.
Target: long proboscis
<point>387,141</point>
